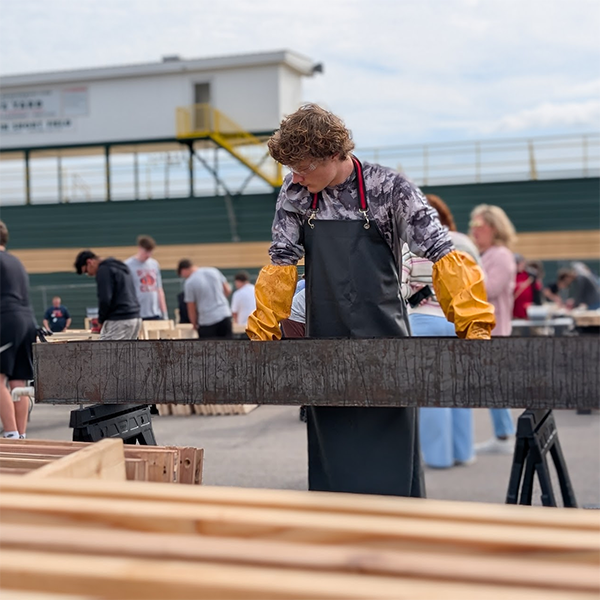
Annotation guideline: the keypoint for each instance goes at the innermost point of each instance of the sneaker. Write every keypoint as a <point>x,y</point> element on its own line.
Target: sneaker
<point>466,463</point>
<point>496,446</point>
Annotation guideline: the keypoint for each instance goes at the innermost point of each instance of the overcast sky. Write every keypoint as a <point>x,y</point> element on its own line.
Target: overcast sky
<point>398,71</point>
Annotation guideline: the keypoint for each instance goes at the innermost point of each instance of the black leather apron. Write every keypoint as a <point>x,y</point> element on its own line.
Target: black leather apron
<point>353,291</point>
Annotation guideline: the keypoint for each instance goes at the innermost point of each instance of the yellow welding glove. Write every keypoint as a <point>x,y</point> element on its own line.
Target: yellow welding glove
<point>459,286</point>
<point>274,291</point>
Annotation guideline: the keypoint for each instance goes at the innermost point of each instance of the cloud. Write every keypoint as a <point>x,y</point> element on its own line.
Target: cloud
<point>551,116</point>
<point>398,71</point>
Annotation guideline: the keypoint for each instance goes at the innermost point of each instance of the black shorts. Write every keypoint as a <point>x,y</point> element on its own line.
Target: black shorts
<point>17,335</point>
<point>222,329</point>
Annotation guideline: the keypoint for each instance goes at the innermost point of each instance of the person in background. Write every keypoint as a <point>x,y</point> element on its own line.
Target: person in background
<point>205,292</point>
<point>300,285</point>
<point>243,303</point>
<point>528,288</point>
<point>57,317</point>
<point>551,293</point>
<point>118,306</point>
<point>145,271</point>
<point>17,336</point>
<point>582,288</point>
<point>183,311</point>
<point>494,234</point>
<point>295,325</point>
<point>446,433</point>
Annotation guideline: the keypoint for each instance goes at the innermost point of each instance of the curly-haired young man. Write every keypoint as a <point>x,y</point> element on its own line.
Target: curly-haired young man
<point>349,221</point>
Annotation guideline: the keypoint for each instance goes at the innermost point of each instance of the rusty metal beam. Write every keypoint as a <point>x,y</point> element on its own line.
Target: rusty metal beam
<point>504,372</point>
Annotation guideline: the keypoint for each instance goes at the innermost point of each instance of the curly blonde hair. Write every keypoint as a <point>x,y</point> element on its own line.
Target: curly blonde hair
<point>497,219</point>
<point>310,132</point>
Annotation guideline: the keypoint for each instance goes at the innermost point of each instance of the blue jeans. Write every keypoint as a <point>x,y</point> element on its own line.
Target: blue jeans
<point>503,422</point>
<point>446,433</point>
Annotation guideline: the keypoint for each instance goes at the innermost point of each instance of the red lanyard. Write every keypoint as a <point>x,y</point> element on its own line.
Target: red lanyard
<point>361,189</point>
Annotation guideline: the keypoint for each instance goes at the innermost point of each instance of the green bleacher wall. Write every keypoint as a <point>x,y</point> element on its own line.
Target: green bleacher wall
<point>533,206</point>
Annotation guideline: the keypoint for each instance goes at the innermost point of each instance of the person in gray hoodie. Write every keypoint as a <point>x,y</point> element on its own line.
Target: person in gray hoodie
<point>118,306</point>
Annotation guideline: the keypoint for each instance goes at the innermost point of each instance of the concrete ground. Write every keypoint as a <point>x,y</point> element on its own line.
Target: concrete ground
<point>267,449</point>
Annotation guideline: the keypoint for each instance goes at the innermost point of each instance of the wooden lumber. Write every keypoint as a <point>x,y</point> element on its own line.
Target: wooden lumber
<point>434,566</point>
<point>103,460</point>
<point>531,373</point>
<point>377,532</point>
<point>586,318</point>
<point>190,465</point>
<point>145,540</point>
<point>353,505</point>
<point>168,464</point>
<point>152,329</point>
<point>155,580</point>
<point>136,469</point>
<point>27,463</point>
<point>223,409</point>
<point>28,595</point>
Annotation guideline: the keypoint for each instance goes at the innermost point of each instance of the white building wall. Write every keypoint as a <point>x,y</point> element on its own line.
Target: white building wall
<point>248,96</point>
<point>290,91</point>
<point>142,107</point>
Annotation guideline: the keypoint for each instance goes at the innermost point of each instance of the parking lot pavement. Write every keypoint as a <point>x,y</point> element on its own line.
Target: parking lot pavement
<point>267,448</point>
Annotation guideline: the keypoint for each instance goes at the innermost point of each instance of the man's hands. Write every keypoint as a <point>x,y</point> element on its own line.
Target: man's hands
<point>274,291</point>
<point>459,286</point>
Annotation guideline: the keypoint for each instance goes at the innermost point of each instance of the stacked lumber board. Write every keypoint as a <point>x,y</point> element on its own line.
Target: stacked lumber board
<point>145,540</point>
<point>72,335</point>
<point>586,318</point>
<point>163,464</point>
<point>205,409</point>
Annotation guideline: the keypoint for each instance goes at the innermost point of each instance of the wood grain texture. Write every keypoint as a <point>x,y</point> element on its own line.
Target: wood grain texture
<point>148,540</point>
<point>503,372</point>
<point>137,579</point>
<point>348,504</point>
<point>496,570</point>
<point>168,464</point>
<point>103,460</point>
<point>300,527</point>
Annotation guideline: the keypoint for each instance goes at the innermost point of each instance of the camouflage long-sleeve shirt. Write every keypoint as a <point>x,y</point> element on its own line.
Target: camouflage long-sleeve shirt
<point>397,206</point>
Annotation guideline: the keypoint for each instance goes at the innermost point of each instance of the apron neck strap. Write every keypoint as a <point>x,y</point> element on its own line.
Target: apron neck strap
<point>361,188</point>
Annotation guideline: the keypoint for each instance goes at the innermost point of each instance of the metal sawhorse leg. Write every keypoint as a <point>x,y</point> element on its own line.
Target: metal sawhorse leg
<point>131,422</point>
<point>536,436</point>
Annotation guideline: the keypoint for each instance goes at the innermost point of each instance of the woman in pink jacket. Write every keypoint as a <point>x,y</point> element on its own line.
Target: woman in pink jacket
<point>494,234</point>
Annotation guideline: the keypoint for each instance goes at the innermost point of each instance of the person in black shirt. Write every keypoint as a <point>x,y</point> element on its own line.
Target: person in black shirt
<point>582,287</point>
<point>118,306</point>
<point>57,317</point>
<point>17,334</point>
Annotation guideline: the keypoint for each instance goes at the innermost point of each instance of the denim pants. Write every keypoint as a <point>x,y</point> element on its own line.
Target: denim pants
<point>446,433</point>
<point>503,422</point>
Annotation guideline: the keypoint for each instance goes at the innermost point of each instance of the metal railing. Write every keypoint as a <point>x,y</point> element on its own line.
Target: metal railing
<point>166,174</point>
<point>203,120</point>
<point>481,161</point>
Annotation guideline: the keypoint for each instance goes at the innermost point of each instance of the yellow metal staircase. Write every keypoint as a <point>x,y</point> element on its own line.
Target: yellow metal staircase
<point>205,121</point>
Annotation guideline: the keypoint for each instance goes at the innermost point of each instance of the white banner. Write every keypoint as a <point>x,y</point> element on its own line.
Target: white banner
<point>36,126</point>
<point>29,105</point>
<point>42,111</point>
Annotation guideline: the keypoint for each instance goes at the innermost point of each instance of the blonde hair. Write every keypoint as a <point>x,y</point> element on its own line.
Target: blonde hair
<point>497,219</point>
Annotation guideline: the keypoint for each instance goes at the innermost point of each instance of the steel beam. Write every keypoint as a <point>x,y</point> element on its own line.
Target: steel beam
<point>503,372</point>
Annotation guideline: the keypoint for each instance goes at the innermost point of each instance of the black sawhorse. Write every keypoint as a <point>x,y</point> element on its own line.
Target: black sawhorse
<point>130,422</point>
<point>536,436</point>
